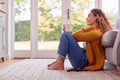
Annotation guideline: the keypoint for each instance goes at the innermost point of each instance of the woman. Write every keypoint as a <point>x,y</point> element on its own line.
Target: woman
<point>91,58</point>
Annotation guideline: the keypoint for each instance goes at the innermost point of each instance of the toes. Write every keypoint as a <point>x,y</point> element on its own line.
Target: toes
<point>55,68</point>
<point>51,64</point>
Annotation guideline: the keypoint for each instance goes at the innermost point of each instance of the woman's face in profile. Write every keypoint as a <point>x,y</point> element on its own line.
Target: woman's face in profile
<point>91,19</point>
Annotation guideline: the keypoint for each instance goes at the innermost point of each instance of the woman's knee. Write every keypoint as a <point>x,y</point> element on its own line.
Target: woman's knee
<point>66,34</point>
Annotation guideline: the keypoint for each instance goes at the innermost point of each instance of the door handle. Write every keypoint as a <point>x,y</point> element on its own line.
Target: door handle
<point>68,13</point>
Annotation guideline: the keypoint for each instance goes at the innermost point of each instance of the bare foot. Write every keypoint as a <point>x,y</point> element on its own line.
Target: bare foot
<point>118,68</point>
<point>56,66</point>
<point>119,72</point>
<point>51,63</point>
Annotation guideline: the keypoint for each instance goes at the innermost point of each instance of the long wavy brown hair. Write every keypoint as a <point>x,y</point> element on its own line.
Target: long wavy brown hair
<point>102,21</point>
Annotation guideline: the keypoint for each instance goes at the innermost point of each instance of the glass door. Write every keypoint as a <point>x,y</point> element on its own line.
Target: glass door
<point>22,18</point>
<point>2,33</point>
<point>56,14</point>
<point>49,26</point>
<point>39,24</point>
<point>112,12</point>
<point>80,10</point>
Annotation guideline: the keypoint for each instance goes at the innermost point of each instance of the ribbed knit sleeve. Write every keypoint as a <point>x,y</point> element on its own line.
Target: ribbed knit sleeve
<point>88,35</point>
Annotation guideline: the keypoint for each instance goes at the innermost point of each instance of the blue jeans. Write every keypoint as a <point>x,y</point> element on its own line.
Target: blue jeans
<point>69,46</point>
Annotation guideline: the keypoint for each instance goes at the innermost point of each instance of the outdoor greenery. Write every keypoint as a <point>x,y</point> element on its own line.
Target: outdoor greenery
<point>49,25</point>
<point>22,31</point>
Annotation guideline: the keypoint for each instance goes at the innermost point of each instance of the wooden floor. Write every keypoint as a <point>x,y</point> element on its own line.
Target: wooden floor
<point>8,62</point>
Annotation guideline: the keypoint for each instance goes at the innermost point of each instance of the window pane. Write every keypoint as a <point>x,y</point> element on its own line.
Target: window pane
<point>22,24</point>
<point>110,7</point>
<point>49,24</point>
<point>80,10</point>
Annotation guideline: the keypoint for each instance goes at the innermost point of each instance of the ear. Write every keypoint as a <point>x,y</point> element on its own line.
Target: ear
<point>97,17</point>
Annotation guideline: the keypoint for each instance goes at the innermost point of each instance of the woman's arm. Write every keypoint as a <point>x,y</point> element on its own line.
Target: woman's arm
<point>87,36</point>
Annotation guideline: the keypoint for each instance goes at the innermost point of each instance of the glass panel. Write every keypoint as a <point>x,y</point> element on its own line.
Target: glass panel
<point>80,10</point>
<point>22,24</point>
<point>1,38</point>
<point>2,30</point>
<point>49,24</point>
<point>111,9</point>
